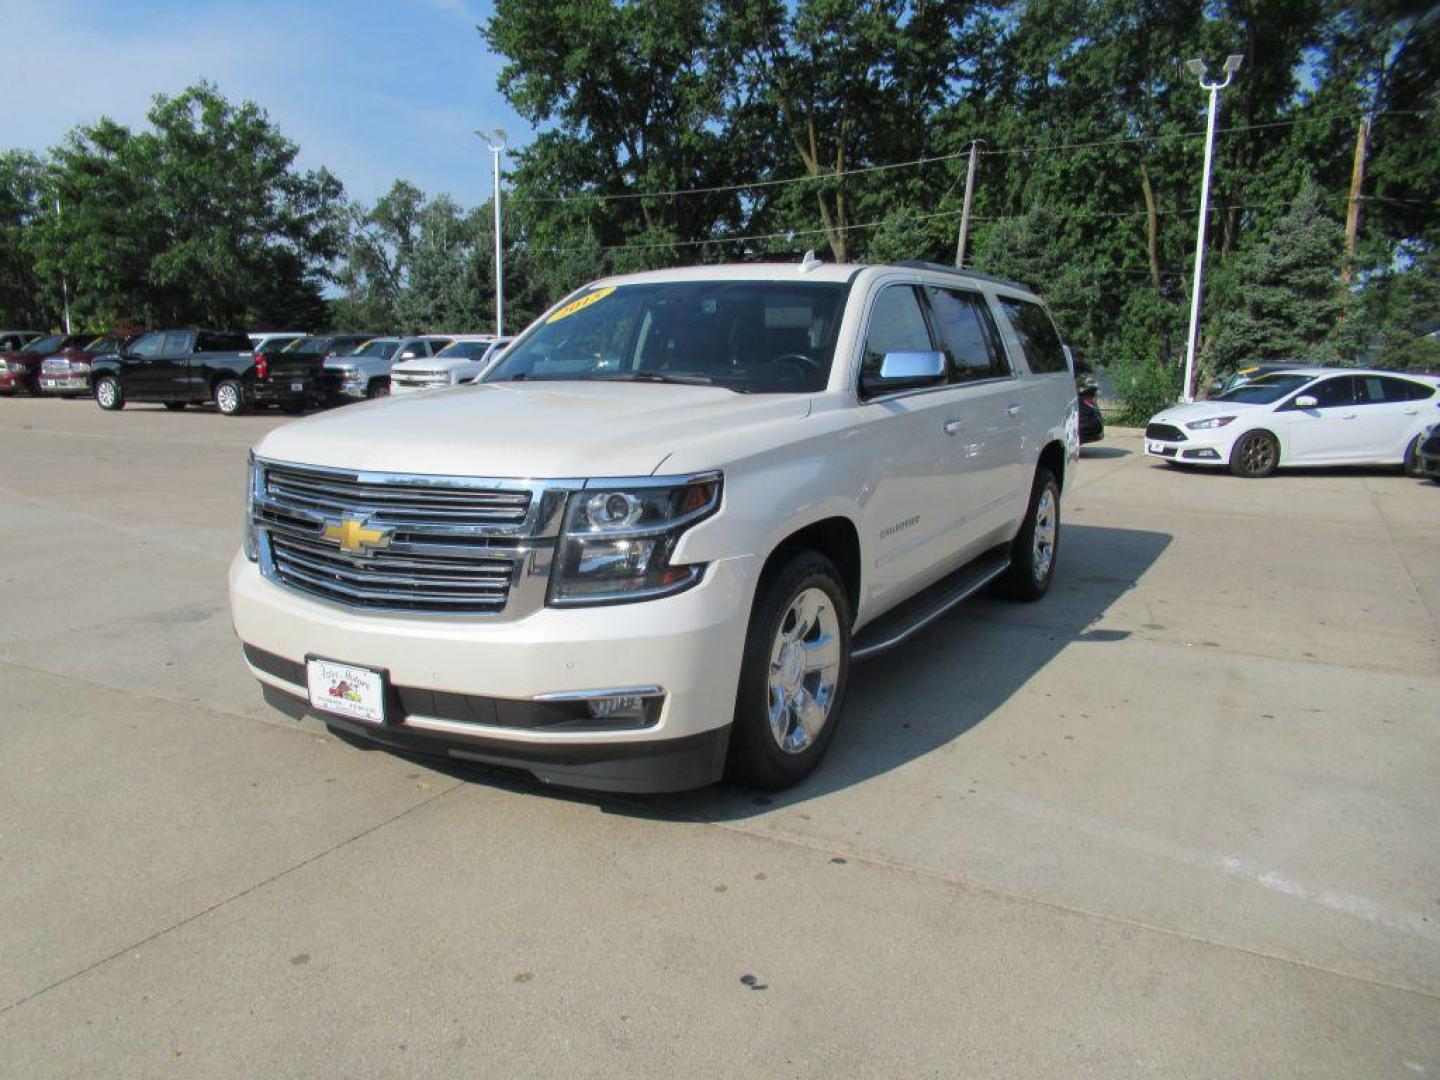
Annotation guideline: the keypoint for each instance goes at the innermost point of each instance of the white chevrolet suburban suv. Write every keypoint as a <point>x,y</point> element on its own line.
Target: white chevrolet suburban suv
<point>642,553</point>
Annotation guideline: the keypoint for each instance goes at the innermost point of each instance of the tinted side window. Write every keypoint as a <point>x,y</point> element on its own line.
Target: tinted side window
<point>968,335</point>
<point>149,345</point>
<point>1333,393</point>
<point>177,343</point>
<point>1038,339</point>
<point>1381,388</point>
<point>896,325</point>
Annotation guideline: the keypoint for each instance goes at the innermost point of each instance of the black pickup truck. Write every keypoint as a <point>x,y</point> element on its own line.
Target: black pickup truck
<point>191,367</point>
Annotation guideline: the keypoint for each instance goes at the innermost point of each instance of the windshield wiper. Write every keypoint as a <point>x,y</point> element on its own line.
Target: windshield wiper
<point>655,377</point>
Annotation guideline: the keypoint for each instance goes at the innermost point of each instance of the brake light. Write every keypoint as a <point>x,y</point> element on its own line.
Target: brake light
<point>262,366</point>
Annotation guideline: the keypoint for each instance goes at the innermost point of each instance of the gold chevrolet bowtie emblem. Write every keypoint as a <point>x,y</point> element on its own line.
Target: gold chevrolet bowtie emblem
<point>353,535</point>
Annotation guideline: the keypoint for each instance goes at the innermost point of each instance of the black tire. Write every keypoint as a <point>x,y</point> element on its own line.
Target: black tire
<point>1412,458</point>
<point>1255,455</point>
<point>756,758</point>
<point>174,406</point>
<point>1032,563</point>
<point>229,397</point>
<point>378,388</point>
<point>108,394</point>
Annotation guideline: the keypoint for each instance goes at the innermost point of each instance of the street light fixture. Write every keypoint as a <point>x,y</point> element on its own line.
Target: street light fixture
<point>496,141</point>
<point>1198,69</point>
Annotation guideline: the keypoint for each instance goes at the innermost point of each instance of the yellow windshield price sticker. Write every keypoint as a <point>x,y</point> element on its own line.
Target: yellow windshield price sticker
<point>580,304</point>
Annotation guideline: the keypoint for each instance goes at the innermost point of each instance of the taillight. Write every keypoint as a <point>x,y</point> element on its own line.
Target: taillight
<point>262,366</point>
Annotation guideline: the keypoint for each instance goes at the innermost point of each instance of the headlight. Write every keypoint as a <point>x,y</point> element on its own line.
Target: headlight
<point>619,536</point>
<point>1208,425</point>
<point>251,537</point>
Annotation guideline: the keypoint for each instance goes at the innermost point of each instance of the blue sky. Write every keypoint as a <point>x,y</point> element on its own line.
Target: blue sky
<point>373,89</point>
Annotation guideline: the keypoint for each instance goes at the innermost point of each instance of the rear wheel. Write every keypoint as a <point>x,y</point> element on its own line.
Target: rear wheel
<point>1412,457</point>
<point>230,398</point>
<point>793,675</point>
<point>1256,454</point>
<point>107,393</point>
<point>1033,552</point>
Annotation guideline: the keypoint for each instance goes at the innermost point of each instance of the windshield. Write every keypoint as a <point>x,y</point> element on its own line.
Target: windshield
<point>746,336</point>
<point>463,350</point>
<point>1265,390</point>
<point>308,346</point>
<point>45,344</point>
<point>382,347</point>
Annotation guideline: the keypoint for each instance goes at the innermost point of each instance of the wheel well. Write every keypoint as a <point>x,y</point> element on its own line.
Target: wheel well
<point>1053,458</point>
<point>836,539</point>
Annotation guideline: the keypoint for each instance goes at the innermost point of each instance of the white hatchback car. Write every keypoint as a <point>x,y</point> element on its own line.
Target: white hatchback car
<point>1300,417</point>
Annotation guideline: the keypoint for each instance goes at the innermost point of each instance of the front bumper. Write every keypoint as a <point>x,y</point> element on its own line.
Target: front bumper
<point>1195,450</point>
<point>689,644</point>
<point>65,384</point>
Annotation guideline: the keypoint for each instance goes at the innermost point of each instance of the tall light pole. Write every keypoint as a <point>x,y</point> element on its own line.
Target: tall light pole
<point>1197,68</point>
<point>496,141</point>
<point>64,285</point>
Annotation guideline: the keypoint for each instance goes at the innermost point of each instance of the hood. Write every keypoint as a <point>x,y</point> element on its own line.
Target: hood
<point>528,430</point>
<point>1201,410</point>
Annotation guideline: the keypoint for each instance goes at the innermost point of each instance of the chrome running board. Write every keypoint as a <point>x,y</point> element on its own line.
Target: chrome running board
<point>928,605</point>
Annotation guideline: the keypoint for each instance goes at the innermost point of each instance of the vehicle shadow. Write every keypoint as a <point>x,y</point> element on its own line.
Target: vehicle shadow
<point>1104,452</point>
<point>924,694</point>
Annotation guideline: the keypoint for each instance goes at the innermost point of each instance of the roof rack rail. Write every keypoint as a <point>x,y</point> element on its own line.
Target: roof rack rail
<point>940,268</point>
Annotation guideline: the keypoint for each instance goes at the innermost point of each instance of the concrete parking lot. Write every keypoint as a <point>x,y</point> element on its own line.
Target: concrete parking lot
<point>1179,819</point>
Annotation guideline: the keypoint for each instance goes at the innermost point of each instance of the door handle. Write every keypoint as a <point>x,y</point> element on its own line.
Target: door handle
<point>952,427</point>
<point>1013,410</point>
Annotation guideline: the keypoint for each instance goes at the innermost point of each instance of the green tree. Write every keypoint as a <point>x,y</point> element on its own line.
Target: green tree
<point>1288,302</point>
<point>202,219</point>
<point>22,188</point>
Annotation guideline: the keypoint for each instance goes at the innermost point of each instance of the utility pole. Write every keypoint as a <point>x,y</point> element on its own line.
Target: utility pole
<point>1352,214</point>
<point>1197,68</point>
<point>965,210</point>
<point>497,147</point>
<point>64,285</point>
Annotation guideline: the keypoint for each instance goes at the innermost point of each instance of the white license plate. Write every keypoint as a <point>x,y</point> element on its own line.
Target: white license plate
<point>1155,447</point>
<point>297,386</point>
<point>346,690</point>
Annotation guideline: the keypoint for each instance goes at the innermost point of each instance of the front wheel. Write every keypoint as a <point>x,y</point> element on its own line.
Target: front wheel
<point>230,398</point>
<point>378,388</point>
<point>1412,458</point>
<point>1256,454</point>
<point>108,395</point>
<point>792,676</point>
<point>1033,552</point>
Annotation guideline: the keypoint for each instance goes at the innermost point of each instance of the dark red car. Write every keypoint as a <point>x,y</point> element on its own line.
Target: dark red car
<point>66,373</point>
<point>20,369</point>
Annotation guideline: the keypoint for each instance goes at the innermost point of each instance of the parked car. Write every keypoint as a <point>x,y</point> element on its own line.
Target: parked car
<point>1300,417</point>
<point>1427,455</point>
<point>191,367</point>
<point>1092,423</point>
<point>67,373</point>
<point>365,373</point>
<point>461,361</point>
<point>274,340</point>
<point>646,547</point>
<point>15,340</point>
<point>321,347</point>
<point>1249,374</point>
<point>20,368</point>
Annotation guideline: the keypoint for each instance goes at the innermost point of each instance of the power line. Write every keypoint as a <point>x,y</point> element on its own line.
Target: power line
<point>755,185</point>
<point>790,234</point>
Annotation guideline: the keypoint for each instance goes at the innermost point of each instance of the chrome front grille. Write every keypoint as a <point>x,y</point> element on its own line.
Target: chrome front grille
<point>421,379</point>
<point>399,542</point>
<point>55,365</point>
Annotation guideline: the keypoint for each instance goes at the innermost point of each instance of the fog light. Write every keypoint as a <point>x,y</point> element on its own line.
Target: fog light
<point>1204,452</point>
<point>610,708</point>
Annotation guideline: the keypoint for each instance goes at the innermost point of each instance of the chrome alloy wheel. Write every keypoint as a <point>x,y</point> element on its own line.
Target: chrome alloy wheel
<point>1047,515</point>
<point>1257,454</point>
<point>227,398</point>
<point>107,393</point>
<point>804,668</point>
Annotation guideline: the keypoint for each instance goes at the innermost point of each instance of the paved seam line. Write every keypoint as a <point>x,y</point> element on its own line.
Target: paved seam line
<point>228,900</point>
<point>1400,554</point>
<point>1055,905</point>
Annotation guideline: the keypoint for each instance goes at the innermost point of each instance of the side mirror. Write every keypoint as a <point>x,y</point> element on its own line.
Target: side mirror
<point>1306,401</point>
<point>909,370</point>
